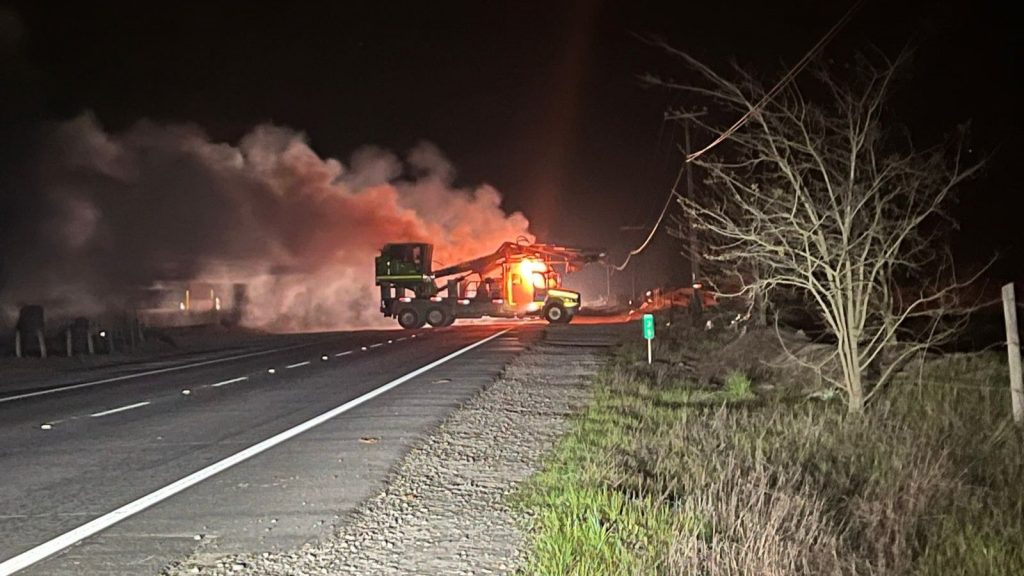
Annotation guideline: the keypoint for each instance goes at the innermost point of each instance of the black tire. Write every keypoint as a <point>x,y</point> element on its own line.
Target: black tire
<point>451,320</point>
<point>438,317</point>
<point>409,318</point>
<point>555,313</point>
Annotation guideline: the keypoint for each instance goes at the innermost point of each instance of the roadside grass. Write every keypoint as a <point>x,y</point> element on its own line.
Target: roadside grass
<point>660,475</point>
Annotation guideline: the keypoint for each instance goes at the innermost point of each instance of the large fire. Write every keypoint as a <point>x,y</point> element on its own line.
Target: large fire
<point>534,270</point>
<point>526,276</point>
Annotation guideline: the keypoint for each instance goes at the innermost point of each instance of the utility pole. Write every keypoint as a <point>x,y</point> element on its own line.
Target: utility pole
<point>697,301</point>
<point>608,286</point>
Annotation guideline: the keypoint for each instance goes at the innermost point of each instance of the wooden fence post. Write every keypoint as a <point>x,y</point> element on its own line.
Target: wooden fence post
<point>1013,350</point>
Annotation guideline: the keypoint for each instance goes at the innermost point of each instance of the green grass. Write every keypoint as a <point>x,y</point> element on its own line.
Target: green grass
<point>585,524</point>
<point>662,476</point>
<point>737,386</point>
<point>588,517</point>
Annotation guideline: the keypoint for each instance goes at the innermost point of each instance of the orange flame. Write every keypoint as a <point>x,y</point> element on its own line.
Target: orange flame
<point>532,269</point>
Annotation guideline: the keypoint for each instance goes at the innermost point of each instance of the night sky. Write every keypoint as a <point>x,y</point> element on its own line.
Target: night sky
<point>541,100</point>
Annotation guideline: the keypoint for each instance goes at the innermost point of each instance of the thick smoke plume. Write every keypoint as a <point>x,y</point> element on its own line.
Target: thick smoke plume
<point>99,214</point>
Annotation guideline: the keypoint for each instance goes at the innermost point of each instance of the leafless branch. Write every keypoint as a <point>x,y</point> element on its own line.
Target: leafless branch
<point>817,196</point>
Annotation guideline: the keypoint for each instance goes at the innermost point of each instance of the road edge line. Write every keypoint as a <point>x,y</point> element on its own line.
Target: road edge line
<point>49,548</point>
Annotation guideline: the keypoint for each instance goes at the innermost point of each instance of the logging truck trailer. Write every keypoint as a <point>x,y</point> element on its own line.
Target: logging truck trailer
<point>517,280</point>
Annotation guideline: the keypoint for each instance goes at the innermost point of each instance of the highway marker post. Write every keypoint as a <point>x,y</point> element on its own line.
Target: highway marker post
<point>649,333</point>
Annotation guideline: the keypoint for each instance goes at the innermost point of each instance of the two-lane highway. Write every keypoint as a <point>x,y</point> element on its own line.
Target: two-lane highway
<point>256,450</point>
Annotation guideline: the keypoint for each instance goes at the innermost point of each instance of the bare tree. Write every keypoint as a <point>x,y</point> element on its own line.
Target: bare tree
<point>816,195</point>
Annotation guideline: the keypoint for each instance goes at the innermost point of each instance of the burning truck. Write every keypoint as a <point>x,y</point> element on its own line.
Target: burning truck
<point>517,280</point>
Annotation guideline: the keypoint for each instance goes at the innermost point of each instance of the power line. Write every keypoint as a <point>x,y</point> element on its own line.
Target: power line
<point>657,224</point>
<point>783,82</point>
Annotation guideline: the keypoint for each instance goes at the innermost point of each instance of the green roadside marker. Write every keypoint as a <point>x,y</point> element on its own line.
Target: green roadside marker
<point>649,326</point>
<point>649,333</point>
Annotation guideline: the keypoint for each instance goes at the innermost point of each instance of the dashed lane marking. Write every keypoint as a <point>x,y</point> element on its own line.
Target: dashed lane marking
<point>151,372</point>
<point>55,545</point>
<point>226,382</point>
<point>121,409</point>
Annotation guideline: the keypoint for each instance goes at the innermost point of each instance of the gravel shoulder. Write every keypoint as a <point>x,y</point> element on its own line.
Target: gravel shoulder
<point>444,508</point>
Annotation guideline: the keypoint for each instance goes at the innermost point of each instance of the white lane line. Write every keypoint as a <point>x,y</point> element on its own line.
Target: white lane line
<point>151,372</point>
<point>51,547</point>
<point>297,364</point>
<point>121,409</point>
<point>400,339</point>
<point>226,382</point>
<point>377,345</point>
<point>346,353</point>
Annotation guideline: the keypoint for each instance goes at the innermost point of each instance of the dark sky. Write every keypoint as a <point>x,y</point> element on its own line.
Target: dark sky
<point>539,99</point>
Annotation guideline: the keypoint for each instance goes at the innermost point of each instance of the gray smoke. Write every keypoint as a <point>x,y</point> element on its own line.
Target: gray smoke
<point>93,215</point>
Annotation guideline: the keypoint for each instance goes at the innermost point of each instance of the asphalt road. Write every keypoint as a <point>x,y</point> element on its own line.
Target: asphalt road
<point>122,470</point>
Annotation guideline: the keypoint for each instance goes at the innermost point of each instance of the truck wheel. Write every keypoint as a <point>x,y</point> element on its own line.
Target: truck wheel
<point>408,318</point>
<point>438,317</point>
<point>555,314</point>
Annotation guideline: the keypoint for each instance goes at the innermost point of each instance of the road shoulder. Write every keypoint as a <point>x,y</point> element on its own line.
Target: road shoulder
<point>445,509</point>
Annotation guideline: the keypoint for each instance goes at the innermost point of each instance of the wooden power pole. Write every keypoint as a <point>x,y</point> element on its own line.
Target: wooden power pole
<point>697,301</point>
<point>1013,350</point>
